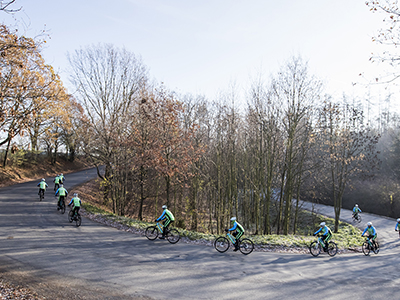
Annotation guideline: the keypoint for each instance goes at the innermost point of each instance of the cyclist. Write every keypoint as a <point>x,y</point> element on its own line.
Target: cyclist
<point>356,211</point>
<point>62,194</point>
<point>371,233</point>
<point>239,231</point>
<point>62,178</point>
<point>56,181</point>
<point>168,217</point>
<point>326,234</point>
<point>76,204</point>
<point>42,186</point>
<point>397,228</point>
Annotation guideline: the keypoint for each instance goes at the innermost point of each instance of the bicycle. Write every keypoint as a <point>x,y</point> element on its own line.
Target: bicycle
<point>56,186</point>
<point>356,218</point>
<point>367,246</point>
<point>61,207</point>
<point>172,235</point>
<point>317,246</point>
<point>41,195</point>
<point>77,218</point>
<point>222,243</point>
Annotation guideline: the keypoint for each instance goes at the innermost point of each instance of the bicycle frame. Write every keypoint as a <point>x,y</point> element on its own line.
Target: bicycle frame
<point>160,227</point>
<point>231,237</point>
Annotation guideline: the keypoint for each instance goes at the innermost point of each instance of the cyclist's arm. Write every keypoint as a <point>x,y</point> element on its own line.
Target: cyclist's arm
<point>365,230</point>
<point>317,231</point>
<point>233,228</point>
<point>72,200</point>
<point>56,192</point>
<point>162,217</point>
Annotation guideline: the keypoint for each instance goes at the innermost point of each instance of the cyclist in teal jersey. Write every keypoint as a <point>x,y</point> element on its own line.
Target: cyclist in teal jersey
<point>238,232</point>
<point>371,233</point>
<point>326,234</point>
<point>168,217</point>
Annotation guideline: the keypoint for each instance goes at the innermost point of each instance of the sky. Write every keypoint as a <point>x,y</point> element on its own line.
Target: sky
<point>205,47</point>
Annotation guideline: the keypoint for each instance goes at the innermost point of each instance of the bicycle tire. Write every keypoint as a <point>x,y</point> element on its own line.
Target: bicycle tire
<point>78,220</point>
<point>70,216</point>
<point>151,232</point>
<point>246,246</point>
<point>173,236</point>
<point>41,195</point>
<point>365,248</point>
<point>332,248</point>
<point>221,244</point>
<point>62,209</point>
<point>315,248</point>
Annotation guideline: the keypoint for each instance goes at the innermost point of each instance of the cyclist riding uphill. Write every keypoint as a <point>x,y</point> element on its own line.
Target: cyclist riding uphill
<point>62,178</point>
<point>239,231</point>
<point>371,232</point>
<point>168,217</point>
<point>62,194</point>
<point>42,186</point>
<point>397,227</point>
<point>56,181</point>
<point>76,204</point>
<point>356,210</point>
<point>326,234</point>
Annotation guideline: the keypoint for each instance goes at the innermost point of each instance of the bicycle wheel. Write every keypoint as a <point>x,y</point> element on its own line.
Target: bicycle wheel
<point>173,236</point>
<point>62,209</point>
<point>246,246</point>
<point>376,248</point>
<point>78,220</point>
<point>70,216</point>
<point>365,248</point>
<point>315,248</point>
<point>221,244</point>
<point>358,219</point>
<point>332,248</point>
<point>151,232</point>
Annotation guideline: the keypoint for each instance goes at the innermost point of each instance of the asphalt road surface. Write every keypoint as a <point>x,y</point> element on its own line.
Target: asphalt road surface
<point>41,249</point>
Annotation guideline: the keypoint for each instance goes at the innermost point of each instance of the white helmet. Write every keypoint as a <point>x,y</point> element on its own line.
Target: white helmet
<point>322,224</point>
<point>164,207</point>
<point>43,179</point>
<point>356,205</point>
<point>61,185</point>
<point>75,194</point>
<point>233,219</point>
<point>369,224</point>
<point>398,220</point>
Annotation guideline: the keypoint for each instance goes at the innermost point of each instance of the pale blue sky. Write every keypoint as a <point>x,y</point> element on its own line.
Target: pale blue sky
<point>201,47</point>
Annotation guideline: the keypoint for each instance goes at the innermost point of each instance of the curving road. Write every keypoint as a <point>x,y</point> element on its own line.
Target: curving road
<point>39,248</point>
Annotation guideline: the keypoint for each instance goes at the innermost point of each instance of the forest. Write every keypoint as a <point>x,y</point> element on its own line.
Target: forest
<point>207,159</point>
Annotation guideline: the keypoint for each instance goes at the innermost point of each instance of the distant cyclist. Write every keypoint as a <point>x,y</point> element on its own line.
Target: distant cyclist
<point>356,211</point>
<point>397,228</point>
<point>326,234</point>
<point>76,204</point>
<point>62,194</point>
<point>371,233</point>
<point>42,186</point>
<point>62,178</point>
<point>56,181</point>
<point>168,217</point>
<point>238,232</point>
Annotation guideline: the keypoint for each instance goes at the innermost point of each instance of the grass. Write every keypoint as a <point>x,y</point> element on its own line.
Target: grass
<point>347,237</point>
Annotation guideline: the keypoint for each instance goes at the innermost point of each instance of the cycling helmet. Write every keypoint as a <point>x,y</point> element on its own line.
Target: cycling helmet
<point>61,185</point>
<point>398,220</point>
<point>43,179</point>
<point>356,205</point>
<point>369,224</point>
<point>233,219</point>
<point>75,194</point>
<point>322,224</point>
<point>164,207</point>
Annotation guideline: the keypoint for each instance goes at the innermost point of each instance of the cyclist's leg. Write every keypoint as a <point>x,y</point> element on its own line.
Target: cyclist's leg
<point>238,235</point>
<point>165,225</point>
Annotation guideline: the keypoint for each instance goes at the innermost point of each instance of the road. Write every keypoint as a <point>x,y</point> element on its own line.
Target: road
<point>41,249</point>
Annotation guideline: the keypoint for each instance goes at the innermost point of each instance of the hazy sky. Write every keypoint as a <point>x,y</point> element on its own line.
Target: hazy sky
<point>201,47</point>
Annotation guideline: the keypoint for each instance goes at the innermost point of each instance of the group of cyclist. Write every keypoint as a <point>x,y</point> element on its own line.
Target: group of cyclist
<point>62,193</point>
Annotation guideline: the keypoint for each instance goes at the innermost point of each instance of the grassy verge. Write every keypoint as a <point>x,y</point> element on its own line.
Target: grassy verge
<point>348,236</point>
